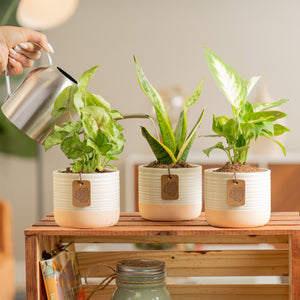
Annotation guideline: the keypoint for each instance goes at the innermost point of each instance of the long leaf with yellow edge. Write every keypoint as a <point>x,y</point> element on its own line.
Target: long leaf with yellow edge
<point>162,116</point>
<point>184,151</point>
<point>181,128</point>
<point>163,154</point>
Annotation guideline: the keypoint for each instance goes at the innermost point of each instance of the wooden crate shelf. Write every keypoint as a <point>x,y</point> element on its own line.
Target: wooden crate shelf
<point>281,260</point>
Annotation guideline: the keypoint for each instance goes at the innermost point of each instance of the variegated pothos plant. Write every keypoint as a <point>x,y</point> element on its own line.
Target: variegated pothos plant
<point>249,121</point>
<point>172,146</point>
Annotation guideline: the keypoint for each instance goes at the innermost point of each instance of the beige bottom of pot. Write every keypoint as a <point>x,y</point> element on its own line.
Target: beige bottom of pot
<point>187,206</point>
<point>257,208</point>
<point>104,208</point>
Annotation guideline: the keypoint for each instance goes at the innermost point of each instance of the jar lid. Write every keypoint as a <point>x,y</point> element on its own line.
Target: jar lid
<point>140,267</point>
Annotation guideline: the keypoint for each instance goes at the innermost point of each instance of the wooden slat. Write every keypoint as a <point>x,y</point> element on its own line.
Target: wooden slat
<point>213,292</point>
<point>196,263</point>
<point>162,239</point>
<point>282,229</point>
<point>294,264</point>
<point>131,224</point>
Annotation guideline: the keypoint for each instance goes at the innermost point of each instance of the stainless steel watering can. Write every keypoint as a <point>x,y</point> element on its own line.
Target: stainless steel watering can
<point>29,107</point>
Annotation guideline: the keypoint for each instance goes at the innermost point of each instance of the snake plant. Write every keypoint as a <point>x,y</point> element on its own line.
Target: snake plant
<point>172,146</point>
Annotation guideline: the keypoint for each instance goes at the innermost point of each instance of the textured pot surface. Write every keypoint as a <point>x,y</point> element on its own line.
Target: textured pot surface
<point>104,208</point>
<point>257,208</point>
<point>187,206</point>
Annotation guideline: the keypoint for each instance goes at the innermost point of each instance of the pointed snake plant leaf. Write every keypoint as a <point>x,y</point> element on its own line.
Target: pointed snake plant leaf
<point>181,128</point>
<point>229,81</point>
<point>184,151</point>
<point>163,154</point>
<point>160,109</point>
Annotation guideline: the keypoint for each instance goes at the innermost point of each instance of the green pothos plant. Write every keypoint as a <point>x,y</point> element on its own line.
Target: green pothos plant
<point>172,146</point>
<point>92,139</point>
<point>249,120</point>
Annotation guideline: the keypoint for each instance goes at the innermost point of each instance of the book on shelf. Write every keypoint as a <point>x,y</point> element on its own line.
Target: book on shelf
<point>61,274</point>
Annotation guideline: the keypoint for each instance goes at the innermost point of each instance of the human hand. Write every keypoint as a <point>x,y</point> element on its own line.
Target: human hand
<point>17,51</point>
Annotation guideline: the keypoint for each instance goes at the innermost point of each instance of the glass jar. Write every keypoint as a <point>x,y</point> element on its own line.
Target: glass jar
<point>141,279</point>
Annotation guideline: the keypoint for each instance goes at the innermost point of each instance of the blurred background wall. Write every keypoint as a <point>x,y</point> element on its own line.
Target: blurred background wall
<point>254,37</point>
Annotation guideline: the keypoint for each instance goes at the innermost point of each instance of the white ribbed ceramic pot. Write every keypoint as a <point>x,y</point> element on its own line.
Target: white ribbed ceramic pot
<point>152,206</point>
<point>104,209</point>
<point>257,208</point>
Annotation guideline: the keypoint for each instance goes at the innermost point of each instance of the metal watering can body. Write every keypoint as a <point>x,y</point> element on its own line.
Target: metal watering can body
<point>29,107</point>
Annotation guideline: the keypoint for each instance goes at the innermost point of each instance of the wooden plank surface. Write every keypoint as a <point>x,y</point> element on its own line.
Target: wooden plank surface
<point>131,224</point>
<point>131,228</point>
<point>178,239</point>
<point>195,263</point>
<point>33,288</point>
<point>213,292</point>
<point>294,267</point>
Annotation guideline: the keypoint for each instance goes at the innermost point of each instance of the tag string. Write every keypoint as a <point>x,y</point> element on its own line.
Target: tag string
<point>170,177</point>
<point>104,283</point>
<point>235,181</point>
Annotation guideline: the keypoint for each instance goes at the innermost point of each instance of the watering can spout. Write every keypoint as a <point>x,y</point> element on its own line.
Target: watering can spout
<point>29,107</point>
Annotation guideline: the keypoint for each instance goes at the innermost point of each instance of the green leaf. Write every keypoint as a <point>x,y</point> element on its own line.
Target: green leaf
<point>184,151</point>
<point>265,116</point>
<point>64,101</point>
<point>160,109</point>
<point>226,127</point>
<point>163,154</point>
<point>94,118</point>
<point>83,81</point>
<point>97,100</point>
<point>117,141</point>
<point>251,82</point>
<point>248,132</point>
<point>74,148</point>
<point>55,138</point>
<point>269,126</point>
<point>279,129</point>
<point>195,96</point>
<point>181,128</point>
<point>264,106</point>
<point>99,145</point>
<point>116,115</point>
<point>229,81</point>
<point>267,135</point>
<point>219,145</point>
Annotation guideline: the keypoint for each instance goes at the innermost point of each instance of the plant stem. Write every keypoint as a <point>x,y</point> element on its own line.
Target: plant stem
<point>143,116</point>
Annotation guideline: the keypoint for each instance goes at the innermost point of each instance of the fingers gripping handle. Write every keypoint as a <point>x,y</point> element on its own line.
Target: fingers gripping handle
<point>8,89</point>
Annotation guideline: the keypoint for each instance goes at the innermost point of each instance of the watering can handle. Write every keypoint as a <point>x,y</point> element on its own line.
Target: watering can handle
<point>6,71</point>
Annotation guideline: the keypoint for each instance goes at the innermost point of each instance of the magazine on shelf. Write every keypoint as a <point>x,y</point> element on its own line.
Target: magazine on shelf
<point>61,274</point>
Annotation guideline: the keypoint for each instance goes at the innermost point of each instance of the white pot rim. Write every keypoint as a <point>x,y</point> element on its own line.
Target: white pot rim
<point>193,166</point>
<point>211,170</point>
<point>61,172</point>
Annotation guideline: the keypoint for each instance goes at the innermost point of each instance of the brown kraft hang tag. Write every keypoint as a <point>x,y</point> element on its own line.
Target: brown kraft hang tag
<point>81,193</point>
<point>169,187</point>
<point>236,192</point>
